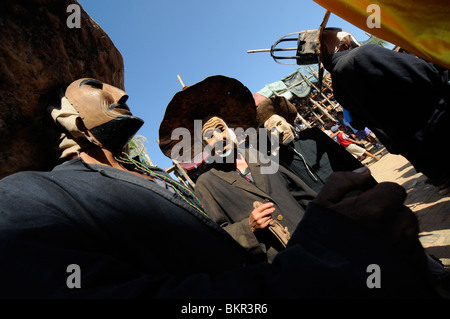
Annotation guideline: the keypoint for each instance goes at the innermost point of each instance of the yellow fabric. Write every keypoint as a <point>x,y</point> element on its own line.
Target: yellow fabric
<point>421,27</point>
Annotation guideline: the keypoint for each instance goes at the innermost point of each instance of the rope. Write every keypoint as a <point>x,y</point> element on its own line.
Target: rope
<point>126,159</point>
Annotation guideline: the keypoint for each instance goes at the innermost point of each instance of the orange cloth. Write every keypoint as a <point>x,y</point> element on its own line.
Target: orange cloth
<point>421,27</point>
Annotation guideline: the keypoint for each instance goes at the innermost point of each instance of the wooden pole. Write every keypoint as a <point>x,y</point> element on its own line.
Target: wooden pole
<point>318,117</point>
<point>181,81</point>
<point>317,76</point>
<point>181,174</point>
<point>303,120</point>
<point>292,86</point>
<point>185,175</point>
<point>322,109</point>
<point>321,93</point>
<point>257,51</point>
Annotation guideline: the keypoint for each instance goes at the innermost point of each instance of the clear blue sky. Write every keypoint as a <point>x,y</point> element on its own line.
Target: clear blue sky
<point>196,39</point>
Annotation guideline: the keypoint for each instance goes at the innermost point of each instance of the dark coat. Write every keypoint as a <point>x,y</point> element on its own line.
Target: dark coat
<point>228,197</point>
<point>321,156</point>
<point>118,227</point>
<point>379,87</point>
<point>134,239</point>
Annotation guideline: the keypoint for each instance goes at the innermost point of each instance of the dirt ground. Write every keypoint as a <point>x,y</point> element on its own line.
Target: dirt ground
<point>431,208</point>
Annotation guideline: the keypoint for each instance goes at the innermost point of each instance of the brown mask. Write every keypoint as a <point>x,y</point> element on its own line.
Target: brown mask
<point>104,113</point>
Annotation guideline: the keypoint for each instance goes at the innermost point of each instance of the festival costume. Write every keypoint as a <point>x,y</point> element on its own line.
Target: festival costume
<point>228,197</point>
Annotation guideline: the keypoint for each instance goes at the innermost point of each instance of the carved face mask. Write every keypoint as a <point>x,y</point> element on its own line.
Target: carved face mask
<point>280,127</point>
<point>218,137</point>
<point>104,113</point>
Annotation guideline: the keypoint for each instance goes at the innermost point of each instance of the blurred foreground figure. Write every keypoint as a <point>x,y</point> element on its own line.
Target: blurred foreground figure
<point>403,99</point>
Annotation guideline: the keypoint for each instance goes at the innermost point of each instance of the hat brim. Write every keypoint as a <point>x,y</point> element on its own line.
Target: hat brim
<point>217,95</point>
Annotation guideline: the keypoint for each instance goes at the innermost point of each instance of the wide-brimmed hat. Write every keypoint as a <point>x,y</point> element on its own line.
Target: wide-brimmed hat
<point>217,95</point>
<point>276,105</point>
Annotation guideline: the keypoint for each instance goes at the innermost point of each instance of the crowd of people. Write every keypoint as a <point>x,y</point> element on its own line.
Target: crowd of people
<point>351,143</point>
<point>313,228</point>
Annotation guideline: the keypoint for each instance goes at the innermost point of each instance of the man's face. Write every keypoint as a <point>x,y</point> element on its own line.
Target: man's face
<point>216,136</point>
<point>278,125</point>
<point>104,112</point>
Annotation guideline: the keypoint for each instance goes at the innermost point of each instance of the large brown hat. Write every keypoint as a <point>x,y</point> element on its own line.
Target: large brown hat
<point>276,105</point>
<point>217,95</point>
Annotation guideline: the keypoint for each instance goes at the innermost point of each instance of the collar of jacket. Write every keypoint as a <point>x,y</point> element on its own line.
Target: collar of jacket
<point>260,187</point>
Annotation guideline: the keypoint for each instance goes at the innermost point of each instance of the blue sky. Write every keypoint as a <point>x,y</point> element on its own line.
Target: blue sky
<point>196,39</point>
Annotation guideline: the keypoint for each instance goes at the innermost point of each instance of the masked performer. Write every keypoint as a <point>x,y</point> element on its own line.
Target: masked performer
<point>311,155</point>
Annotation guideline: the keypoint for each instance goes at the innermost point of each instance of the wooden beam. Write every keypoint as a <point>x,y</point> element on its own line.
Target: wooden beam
<point>318,117</point>
<point>292,86</point>
<point>320,92</point>
<point>185,175</point>
<point>322,109</point>
<point>181,81</point>
<point>316,75</point>
<point>303,120</point>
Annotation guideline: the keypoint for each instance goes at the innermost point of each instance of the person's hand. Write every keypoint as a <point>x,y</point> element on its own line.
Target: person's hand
<point>260,217</point>
<point>379,208</point>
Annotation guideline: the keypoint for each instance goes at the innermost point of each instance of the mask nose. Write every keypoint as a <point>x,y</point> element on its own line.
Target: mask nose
<point>118,95</point>
<point>218,135</point>
<point>280,130</point>
<point>123,99</point>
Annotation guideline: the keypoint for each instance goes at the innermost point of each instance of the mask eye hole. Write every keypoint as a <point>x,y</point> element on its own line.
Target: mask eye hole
<point>208,134</point>
<point>92,83</point>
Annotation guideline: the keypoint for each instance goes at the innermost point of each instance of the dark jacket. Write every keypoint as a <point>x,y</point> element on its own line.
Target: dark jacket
<point>403,99</point>
<point>132,238</point>
<point>228,198</point>
<point>319,157</point>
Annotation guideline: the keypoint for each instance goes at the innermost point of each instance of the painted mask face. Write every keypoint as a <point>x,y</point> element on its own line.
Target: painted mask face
<point>280,127</point>
<point>216,136</point>
<point>104,112</point>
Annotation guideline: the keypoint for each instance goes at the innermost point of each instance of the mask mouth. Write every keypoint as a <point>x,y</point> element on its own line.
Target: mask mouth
<point>115,134</point>
<point>222,148</point>
<point>226,153</point>
<point>287,138</point>
<point>120,106</point>
<point>283,138</point>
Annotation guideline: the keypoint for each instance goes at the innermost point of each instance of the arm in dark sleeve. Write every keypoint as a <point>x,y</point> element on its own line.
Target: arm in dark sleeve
<point>337,252</point>
<point>327,257</point>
